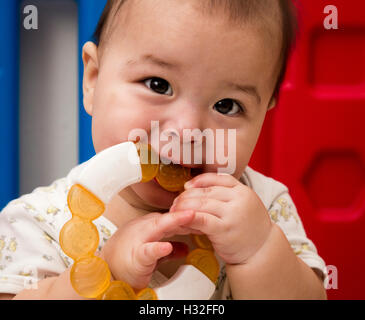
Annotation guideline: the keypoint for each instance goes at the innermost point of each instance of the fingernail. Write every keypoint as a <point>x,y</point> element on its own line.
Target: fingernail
<point>164,246</point>
<point>188,184</point>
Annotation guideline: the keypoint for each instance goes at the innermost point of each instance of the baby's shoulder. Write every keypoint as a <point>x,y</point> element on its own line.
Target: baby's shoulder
<point>267,188</point>
<point>45,206</point>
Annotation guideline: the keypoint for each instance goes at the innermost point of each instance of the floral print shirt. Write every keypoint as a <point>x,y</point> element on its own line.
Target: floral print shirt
<point>30,227</point>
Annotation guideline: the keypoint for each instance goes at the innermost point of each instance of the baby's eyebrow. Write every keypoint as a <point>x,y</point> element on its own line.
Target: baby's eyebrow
<point>149,58</point>
<point>251,90</point>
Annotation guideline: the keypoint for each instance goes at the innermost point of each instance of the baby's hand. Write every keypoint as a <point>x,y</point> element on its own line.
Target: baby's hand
<point>134,249</point>
<point>228,212</point>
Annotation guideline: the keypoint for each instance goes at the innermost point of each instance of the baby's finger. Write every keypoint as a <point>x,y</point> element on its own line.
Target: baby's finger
<point>159,226</point>
<point>212,206</point>
<point>215,192</point>
<point>150,215</point>
<point>187,230</point>
<point>182,231</point>
<point>206,223</point>
<point>211,179</point>
<point>148,253</point>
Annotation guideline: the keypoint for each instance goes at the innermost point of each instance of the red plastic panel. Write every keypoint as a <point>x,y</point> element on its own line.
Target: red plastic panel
<point>314,141</point>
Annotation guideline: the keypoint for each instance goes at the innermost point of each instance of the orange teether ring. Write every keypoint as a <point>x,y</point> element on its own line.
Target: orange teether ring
<point>148,158</point>
<point>83,203</point>
<point>202,241</point>
<point>147,294</point>
<point>172,177</point>
<point>90,277</point>
<point>79,238</point>
<point>205,261</point>
<point>119,290</point>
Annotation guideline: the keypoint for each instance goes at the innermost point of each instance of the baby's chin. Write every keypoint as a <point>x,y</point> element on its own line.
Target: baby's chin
<point>154,195</point>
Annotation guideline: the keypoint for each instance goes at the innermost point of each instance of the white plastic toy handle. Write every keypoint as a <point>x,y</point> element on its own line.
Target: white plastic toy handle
<point>111,170</point>
<point>116,168</point>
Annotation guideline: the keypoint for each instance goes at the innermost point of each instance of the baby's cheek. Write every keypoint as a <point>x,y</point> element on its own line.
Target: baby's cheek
<point>236,163</point>
<point>113,126</point>
<point>241,166</point>
<point>117,112</point>
<point>104,136</point>
<point>244,150</point>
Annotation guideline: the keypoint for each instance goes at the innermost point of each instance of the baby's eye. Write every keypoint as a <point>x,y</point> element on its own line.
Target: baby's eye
<point>228,107</point>
<point>159,86</point>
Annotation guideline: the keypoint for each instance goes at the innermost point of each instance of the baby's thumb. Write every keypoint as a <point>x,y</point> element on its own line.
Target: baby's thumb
<point>150,252</point>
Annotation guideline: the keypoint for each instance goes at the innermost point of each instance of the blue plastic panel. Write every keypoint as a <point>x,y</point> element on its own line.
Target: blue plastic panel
<point>9,79</point>
<point>89,13</point>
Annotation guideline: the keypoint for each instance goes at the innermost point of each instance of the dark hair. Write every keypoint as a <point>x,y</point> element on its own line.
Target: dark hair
<point>236,9</point>
<point>105,16</point>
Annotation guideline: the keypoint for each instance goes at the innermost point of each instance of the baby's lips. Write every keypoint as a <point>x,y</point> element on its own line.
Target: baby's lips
<point>179,250</point>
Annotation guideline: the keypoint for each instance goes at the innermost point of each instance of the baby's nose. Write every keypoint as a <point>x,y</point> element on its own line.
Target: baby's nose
<point>184,123</point>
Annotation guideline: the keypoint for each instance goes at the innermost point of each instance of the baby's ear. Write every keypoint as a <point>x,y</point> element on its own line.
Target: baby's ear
<point>272,103</point>
<point>91,70</point>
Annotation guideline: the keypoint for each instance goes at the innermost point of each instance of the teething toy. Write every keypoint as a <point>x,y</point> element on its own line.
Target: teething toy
<point>102,177</point>
<point>173,177</point>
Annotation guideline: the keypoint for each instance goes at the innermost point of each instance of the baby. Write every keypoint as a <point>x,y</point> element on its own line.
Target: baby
<point>187,65</point>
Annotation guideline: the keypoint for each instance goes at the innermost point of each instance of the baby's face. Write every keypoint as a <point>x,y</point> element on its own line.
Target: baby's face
<point>165,61</point>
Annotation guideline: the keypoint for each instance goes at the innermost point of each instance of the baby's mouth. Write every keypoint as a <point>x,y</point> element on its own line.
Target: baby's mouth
<point>169,173</point>
<point>196,171</point>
